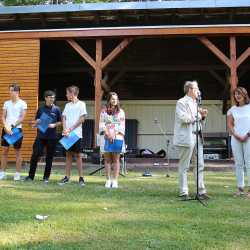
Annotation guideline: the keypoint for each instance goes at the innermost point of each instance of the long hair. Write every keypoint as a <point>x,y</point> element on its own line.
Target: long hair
<point>242,91</point>
<point>110,109</point>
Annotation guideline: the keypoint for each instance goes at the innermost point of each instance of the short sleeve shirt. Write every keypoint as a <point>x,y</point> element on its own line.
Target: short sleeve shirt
<point>14,111</point>
<point>72,112</point>
<point>241,116</point>
<point>55,113</point>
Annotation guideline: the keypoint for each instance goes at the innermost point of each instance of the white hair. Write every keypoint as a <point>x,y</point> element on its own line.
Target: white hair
<point>188,85</point>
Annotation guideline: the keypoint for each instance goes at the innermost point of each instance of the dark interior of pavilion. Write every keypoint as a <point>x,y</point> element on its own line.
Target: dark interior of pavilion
<point>149,68</point>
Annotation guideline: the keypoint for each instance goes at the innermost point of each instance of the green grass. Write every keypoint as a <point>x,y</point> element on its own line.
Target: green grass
<point>144,213</point>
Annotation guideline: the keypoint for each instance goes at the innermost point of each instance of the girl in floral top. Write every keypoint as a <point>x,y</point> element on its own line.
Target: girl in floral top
<point>112,126</point>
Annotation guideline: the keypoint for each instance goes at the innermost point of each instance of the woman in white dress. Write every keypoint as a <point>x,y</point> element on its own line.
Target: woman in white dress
<point>112,127</point>
<point>238,122</point>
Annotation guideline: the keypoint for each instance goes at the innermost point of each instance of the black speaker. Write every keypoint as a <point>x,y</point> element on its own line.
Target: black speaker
<point>88,133</point>
<point>131,131</point>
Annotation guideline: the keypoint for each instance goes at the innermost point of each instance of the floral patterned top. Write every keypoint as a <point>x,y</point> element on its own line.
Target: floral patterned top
<point>114,123</point>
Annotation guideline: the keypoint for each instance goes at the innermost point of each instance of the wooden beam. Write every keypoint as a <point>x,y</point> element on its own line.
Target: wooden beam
<point>233,68</point>
<point>215,50</point>
<point>113,54</point>
<point>117,77</point>
<point>82,52</point>
<point>243,57</point>
<point>104,81</point>
<point>191,30</point>
<point>98,89</point>
<point>217,77</point>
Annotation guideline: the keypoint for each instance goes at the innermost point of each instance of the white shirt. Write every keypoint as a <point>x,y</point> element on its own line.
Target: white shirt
<point>193,110</point>
<point>72,113</point>
<point>14,111</point>
<point>241,116</point>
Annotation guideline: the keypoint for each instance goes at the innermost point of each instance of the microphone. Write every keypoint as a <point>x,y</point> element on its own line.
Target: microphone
<point>199,98</point>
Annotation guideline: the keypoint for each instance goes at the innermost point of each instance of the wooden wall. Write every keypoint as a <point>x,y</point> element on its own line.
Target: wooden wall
<point>19,63</point>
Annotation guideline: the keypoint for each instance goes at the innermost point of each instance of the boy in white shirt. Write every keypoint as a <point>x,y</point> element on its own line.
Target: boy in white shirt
<point>14,111</point>
<point>72,118</point>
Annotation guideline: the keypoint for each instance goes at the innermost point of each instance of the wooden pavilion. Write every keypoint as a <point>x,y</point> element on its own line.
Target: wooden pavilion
<point>142,50</point>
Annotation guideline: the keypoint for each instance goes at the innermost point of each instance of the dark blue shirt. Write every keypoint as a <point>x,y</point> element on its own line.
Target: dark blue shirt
<point>55,113</point>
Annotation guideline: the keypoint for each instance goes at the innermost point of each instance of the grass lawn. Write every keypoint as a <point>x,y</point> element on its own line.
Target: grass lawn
<point>144,213</point>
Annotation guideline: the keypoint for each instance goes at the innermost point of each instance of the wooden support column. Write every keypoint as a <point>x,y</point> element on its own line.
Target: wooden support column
<point>233,65</point>
<point>98,89</point>
<point>100,65</point>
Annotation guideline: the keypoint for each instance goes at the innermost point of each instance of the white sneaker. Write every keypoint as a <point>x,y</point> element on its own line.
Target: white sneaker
<point>114,184</point>
<point>108,184</point>
<point>17,177</point>
<point>2,175</point>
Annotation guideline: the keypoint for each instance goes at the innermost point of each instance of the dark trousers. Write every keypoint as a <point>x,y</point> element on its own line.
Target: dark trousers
<point>38,148</point>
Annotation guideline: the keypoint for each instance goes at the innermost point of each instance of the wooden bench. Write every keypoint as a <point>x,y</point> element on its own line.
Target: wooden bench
<point>217,143</point>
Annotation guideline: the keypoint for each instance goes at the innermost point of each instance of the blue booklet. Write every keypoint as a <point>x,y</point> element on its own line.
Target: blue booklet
<point>115,147</point>
<point>12,139</point>
<point>69,141</point>
<point>45,120</point>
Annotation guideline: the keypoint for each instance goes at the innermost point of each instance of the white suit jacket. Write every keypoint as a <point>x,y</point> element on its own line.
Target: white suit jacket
<point>183,127</point>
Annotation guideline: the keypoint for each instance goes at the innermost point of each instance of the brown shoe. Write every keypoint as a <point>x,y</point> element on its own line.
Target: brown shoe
<point>248,195</point>
<point>239,193</point>
<point>204,197</point>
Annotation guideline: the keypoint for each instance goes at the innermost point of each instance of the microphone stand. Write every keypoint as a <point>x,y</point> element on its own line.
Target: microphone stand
<point>167,144</point>
<point>197,197</point>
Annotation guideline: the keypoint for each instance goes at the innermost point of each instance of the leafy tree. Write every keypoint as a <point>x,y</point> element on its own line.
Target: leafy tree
<point>37,2</point>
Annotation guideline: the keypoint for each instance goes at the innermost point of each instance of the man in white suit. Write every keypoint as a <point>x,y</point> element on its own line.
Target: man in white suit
<point>185,138</point>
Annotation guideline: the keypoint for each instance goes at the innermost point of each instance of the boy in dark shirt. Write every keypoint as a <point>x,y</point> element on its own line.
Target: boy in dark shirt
<point>47,139</point>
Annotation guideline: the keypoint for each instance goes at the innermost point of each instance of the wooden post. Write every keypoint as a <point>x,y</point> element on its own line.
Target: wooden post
<point>98,88</point>
<point>233,66</point>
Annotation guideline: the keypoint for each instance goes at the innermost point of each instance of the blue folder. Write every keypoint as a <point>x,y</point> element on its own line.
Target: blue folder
<point>12,139</point>
<point>69,141</point>
<point>115,147</point>
<point>45,120</point>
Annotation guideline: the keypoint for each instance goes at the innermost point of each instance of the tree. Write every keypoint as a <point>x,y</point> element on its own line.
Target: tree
<point>37,2</point>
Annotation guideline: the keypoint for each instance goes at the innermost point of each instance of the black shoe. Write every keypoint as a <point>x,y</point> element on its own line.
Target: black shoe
<point>81,181</point>
<point>204,197</point>
<point>184,197</point>
<point>64,180</point>
<point>28,178</point>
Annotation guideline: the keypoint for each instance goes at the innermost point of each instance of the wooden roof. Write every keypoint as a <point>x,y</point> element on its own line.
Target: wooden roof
<point>125,14</point>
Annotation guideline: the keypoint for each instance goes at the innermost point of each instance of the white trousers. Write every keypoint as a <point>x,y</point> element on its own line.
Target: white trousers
<point>241,152</point>
<point>185,156</point>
